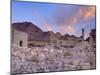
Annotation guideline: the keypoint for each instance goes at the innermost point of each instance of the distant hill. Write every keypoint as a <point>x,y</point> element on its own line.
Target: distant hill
<point>35,33</point>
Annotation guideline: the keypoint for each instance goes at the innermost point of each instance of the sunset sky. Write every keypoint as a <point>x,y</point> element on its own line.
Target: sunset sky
<point>63,18</point>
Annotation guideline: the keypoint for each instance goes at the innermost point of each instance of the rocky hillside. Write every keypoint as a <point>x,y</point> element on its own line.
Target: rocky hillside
<point>50,59</point>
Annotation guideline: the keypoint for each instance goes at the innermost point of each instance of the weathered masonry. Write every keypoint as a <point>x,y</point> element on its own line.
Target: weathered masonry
<point>19,38</point>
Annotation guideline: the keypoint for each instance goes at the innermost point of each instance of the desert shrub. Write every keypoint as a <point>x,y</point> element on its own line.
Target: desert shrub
<point>71,46</point>
<point>56,47</point>
<point>34,59</point>
<point>67,54</point>
<point>65,46</point>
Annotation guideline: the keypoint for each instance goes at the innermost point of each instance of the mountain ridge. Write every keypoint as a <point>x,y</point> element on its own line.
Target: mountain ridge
<point>35,33</point>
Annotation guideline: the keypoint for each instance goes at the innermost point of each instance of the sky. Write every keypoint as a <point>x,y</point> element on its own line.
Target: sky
<point>63,18</point>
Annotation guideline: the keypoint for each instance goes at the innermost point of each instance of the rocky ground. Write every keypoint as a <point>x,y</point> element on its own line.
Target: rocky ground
<point>49,58</point>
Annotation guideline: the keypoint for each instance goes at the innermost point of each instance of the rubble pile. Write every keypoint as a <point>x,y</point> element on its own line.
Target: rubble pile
<point>49,59</point>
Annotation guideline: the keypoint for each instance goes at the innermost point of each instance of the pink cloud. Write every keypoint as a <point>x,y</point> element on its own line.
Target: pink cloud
<point>47,26</point>
<point>87,13</point>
